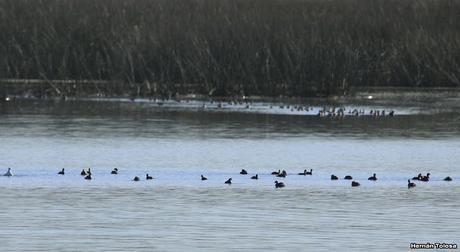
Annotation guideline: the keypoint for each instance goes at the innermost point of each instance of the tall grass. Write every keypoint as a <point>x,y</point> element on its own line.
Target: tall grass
<point>233,47</point>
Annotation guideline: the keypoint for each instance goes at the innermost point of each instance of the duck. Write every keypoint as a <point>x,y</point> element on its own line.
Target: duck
<point>136,178</point>
<point>203,177</point>
<point>279,184</point>
<point>448,178</point>
<point>419,176</point>
<point>61,172</point>
<point>255,176</point>
<point>114,171</point>
<point>83,172</point>
<point>410,184</point>
<point>243,172</point>
<point>147,177</point>
<point>276,172</point>
<point>425,178</point>
<point>283,174</point>
<point>373,178</point>
<point>88,177</point>
<point>8,173</point>
<point>354,184</point>
<point>309,172</point>
<point>348,177</point>
<point>229,181</point>
<point>333,177</point>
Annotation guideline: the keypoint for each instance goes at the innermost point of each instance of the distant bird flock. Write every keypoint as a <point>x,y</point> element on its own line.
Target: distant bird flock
<point>87,175</point>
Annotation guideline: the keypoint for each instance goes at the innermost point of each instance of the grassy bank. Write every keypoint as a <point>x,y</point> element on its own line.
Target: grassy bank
<point>232,47</point>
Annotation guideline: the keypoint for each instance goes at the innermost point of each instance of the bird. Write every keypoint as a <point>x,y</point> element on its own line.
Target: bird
<point>309,172</point>
<point>147,177</point>
<point>410,184</point>
<point>229,181</point>
<point>283,174</point>
<point>279,184</point>
<point>276,172</point>
<point>88,177</point>
<point>303,173</point>
<point>255,176</point>
<point>83,172</point>
<point>348,177</point>
<point>114,171</point>
<point>61,172</point>
<point>425,178</point>
<point>203,178</point>
<point>419,176</point>
<point>333,177</point>
<point>243,172</point>
<point>448,178</point>
<point>354,184</point>
<point>136,178</point>
<point>373,178</point>
<point>8,173</point>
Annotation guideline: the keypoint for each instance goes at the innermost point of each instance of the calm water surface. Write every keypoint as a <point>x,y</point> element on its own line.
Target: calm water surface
<point>41,211</point>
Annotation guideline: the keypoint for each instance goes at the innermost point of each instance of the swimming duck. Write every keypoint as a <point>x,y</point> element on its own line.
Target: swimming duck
<point>136,178</point>
<point>419,176</point>
<point>348,177</point>
<point>373,178</point>
<point>309,172</point>
<point>61,172</point>
<point>243,172</point>
<point>333,177</point>
<point>410,184</point>
<point>354,184</point>
<point>276,172</point>
<point>8,173</point>
<point>425,178</point>
<point>83,172</point>
<point>203,178</point>
<point>279,184</point>
<point>147,177</point>
<point>114,171</point>
<point>255,177</point>
<point>229,181</point>
<point>88,177</point>
<point>448,178</point>
<point>283,174</point>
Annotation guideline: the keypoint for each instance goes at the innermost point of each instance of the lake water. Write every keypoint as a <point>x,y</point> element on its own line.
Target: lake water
<point>42,211</point>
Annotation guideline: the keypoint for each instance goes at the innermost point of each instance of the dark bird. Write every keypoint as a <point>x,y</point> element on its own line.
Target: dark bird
<point>114,171</point>
<point>88,177</point>
<point>61,172</point>
<point>410,184</point>
<point>373,178</point>
<point>229,181</point>
<point>419,176</point>
<point>276,172</point>
<point>147,177</point>
<point>348,177</point>
<point>448,179</point>
<point>255,177</point>
<point>243,172</point>
<point>89,171</point>
<point>354,184</point>
<point>333,177</point>
<point>425,178</point>
<point>279,184</point>
<point>83,172</point>
<point>283,174</point>
<point>136,178</point>
<point>309,172</point>
<point>203,178</point>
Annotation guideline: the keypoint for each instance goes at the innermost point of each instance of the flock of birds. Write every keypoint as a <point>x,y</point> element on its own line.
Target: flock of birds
<point>280,174</point>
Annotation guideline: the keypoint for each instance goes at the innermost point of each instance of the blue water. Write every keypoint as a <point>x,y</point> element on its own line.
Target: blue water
<point>43,211</point>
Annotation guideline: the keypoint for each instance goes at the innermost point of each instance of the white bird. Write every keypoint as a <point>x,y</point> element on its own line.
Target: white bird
<point>8,173</point>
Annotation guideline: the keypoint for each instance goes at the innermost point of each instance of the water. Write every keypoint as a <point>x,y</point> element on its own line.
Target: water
<point>41,211</point>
